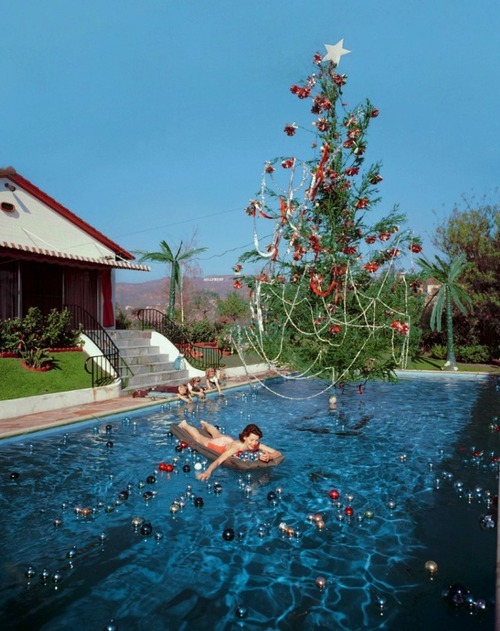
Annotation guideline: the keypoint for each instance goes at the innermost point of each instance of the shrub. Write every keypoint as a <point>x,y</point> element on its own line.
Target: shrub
<point>10,335</point>
<point>122,321</point>
<point>475,354</point>
<point>57,332</point>
<point>202,331</point>
<point>37,357</point>
<point>38,331</point>
<point>439,351</point>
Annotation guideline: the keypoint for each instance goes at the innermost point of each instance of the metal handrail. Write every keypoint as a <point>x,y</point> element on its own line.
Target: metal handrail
<point>84,321</point>
<point>201,357</point>
<point>98,368</point>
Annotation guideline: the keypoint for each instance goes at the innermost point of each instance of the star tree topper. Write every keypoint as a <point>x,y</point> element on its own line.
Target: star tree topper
<point>334,53</point>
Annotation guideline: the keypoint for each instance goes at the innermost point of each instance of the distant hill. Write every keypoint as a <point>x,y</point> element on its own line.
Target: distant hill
<point>154,293</point>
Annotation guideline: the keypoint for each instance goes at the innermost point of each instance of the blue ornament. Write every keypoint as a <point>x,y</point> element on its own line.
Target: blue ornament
<point>228,534</point>
<point>146,528</point>
<point>241,612</point>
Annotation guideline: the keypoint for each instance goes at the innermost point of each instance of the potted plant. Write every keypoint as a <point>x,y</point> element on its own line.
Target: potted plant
<point>224,343</point>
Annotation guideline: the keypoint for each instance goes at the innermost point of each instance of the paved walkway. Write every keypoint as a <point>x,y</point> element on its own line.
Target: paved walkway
<point>64,416</point>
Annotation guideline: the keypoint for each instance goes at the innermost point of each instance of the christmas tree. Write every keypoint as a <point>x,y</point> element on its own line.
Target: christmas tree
<point>328,299</point>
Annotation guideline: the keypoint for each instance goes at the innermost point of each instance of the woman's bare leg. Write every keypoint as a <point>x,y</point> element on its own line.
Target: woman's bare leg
<point>211,429</point>
<point>195,433</point>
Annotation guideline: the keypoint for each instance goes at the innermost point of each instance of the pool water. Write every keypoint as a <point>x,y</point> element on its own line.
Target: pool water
<point>414,464</point>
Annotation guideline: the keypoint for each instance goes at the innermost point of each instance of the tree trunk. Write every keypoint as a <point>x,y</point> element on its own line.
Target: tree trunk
<point>451,362</point>
<point>171,300</point>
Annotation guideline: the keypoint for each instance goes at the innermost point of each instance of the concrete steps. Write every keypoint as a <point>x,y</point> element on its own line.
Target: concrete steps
<point>149,367</point>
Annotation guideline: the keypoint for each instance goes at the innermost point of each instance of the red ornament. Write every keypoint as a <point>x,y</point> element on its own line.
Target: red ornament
<point>237,284</point>
<point>370,239</point>
<point>288,163</point>
<point>290,129</point>
<point>322,124</point>
<point>384,236</point>
<point>352,171</point>
<point>349,511</point>
<point>371,267</point>
<point>374,113</point>
<point>335,329</point>
<point>166,466</point>
<point>333,494</point>
<point>415,248</point>
<point>184,444</point>
<point>375,179</point>
<point>362,203</point>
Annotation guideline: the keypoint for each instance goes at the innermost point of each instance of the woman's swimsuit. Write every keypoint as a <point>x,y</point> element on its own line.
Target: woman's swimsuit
<point>220,444</point>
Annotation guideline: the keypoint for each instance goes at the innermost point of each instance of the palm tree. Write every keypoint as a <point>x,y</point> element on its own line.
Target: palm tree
<point>450,293</point>
<point>165,255</point>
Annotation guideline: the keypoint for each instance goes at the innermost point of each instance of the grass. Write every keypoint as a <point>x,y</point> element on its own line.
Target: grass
<point>69,374</point>
<point>425,362</point>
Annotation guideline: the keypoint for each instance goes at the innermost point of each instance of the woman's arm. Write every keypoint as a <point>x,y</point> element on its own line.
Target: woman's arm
<point>268,453</point>
<point>230,451</point>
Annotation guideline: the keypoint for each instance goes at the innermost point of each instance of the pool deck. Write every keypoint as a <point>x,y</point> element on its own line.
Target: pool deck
<point>65,416</point>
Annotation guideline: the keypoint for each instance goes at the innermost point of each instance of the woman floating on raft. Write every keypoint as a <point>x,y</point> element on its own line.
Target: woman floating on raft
<point>248,440</point>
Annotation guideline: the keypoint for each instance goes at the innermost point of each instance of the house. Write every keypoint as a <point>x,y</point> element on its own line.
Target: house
<point>49,257</point>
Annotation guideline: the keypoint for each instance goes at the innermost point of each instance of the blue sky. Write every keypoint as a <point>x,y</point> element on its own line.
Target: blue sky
<point>152,120</point>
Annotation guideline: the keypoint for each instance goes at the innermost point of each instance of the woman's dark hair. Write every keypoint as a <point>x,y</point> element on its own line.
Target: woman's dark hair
<point>250,429</point>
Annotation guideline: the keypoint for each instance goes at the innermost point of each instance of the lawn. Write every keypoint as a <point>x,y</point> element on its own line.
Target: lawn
<point>425,362</point>
<point>68,374</point>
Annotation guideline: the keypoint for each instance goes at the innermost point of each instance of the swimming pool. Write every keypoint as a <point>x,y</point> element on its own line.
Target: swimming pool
<point>415,461</point>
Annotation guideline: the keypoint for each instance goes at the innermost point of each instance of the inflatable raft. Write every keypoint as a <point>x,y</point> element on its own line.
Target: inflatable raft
<point>243,463</point>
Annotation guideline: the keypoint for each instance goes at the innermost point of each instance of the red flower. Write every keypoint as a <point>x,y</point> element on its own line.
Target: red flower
<point>288,163</point>
<point>415,247</point>
<point>371,267</point>
<point>335,329</point>
<point>290,129</point>
<point>350,249</point>
<point>317,59</point>
<point>339,79</point>
<point>370,239</point>
<point>374,113</point>
<point>348,144</point>
<point>269,168</point>
<point>363,202</point>
<point>354,133</point>
<point>237,284</point>
<point>352,171</point>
